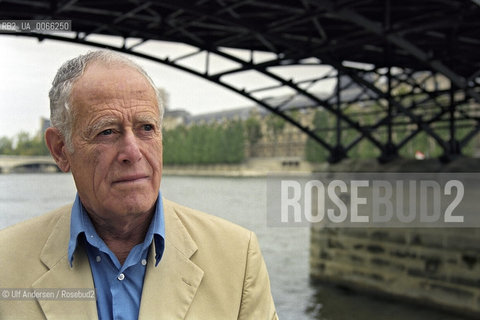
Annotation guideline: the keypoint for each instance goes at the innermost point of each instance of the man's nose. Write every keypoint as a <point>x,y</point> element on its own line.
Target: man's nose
<point>129,150</point>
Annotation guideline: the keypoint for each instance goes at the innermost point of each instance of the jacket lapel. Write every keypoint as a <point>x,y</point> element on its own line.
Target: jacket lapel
<point>61,276</point>
<point>169,288</point>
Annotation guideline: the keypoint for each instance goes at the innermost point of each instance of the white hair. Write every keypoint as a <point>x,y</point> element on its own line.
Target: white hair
<point>61,115</point>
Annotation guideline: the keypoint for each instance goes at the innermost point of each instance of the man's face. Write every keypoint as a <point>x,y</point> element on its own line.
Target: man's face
<point>117,141</point>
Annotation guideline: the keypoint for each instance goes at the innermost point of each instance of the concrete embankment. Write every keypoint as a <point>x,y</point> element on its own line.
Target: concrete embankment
<point>291,166</point>
<point>256,167</point>
<point>439,267</point>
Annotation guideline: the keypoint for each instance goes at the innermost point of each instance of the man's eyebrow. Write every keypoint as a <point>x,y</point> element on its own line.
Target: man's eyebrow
<point>146,118</point>
<point>100,124</point>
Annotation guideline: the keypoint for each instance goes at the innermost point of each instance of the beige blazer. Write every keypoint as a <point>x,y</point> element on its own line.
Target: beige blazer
<point>211,269</point>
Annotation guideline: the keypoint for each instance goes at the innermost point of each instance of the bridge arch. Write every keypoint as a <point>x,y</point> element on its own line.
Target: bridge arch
<point>396,48</point>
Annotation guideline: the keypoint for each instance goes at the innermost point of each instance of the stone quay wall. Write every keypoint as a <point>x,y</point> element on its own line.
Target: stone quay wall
<point>439,267</point>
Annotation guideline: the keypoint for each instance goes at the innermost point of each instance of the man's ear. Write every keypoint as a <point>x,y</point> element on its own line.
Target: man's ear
<point>56,144</point>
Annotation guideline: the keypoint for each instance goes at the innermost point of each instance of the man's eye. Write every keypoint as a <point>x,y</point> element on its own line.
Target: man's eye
<point>147,127</point>
<point>106,132</point>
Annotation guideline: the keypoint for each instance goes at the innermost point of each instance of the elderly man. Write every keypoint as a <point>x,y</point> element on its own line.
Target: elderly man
<point>146,257</point>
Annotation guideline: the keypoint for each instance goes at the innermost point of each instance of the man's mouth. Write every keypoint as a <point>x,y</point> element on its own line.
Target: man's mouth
<point>131,179</point>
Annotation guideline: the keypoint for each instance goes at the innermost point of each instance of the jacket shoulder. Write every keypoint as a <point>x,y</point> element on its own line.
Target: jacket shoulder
<point>233,266</point>
<point>200,222</point>
<point>30,233</point>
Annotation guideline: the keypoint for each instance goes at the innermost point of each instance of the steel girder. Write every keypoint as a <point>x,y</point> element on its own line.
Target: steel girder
<point>418,60</point>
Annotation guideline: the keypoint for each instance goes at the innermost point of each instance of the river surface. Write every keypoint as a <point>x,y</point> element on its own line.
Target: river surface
<point>243,201</point>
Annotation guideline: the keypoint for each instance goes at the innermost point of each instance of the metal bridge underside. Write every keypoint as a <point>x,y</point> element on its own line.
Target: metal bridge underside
<point>415,63</point>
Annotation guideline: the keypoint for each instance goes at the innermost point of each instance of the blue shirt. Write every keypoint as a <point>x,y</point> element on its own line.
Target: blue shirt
<point>118,287</point>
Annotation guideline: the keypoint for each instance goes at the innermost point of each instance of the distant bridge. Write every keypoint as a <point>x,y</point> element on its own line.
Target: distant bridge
<point>11,164</point>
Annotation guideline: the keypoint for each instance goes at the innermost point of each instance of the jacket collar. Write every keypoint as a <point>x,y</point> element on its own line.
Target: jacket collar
<point>168,290</point>
<point>80,223</point>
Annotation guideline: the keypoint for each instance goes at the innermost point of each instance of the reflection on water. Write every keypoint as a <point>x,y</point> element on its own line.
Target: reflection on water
<point>243,201</point>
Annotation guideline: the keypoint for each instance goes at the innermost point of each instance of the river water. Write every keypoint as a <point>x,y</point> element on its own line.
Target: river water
<point>243,201</point>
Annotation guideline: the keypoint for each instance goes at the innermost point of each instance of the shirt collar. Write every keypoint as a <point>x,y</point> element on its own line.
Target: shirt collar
<point>80,223</point>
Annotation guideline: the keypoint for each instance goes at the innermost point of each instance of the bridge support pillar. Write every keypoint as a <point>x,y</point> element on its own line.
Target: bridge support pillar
<point>389,153</point>
<point>338,154</point>
<point>453,151</point>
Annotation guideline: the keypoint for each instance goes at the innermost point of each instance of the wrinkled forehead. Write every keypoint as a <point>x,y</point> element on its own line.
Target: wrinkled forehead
<point>113,84</point>
<point>114,78</point>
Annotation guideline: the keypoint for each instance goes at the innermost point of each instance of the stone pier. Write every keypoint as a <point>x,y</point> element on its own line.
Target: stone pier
<point>434,266</point>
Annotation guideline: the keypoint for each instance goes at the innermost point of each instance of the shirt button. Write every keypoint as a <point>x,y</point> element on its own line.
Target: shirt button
<point>121,276</point>
<point>98,259</point>
<point>144,262</point>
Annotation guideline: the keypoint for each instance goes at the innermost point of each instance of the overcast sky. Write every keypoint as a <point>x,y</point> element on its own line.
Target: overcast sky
<point>28,66</point>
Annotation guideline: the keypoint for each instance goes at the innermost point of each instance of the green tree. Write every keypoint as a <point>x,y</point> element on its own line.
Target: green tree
<point>275,126</point>
<point>205,144</point>
<point>253,130</point>
<point>314,152</point>
<point>234,142</point>
<point>27,145</point>
<point>6,146</point>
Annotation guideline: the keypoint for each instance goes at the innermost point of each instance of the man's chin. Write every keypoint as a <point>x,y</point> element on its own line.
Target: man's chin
<point>126,206</point>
